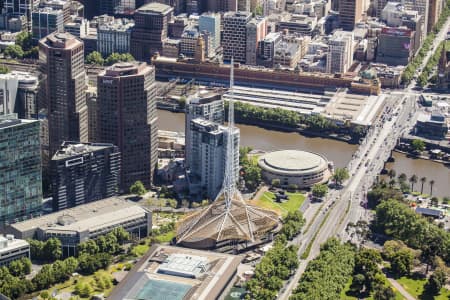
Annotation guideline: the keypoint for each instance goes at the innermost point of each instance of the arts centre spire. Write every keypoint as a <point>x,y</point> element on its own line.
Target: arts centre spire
<point>229,220</point>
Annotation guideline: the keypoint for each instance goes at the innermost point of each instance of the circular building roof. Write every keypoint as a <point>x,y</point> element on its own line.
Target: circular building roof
<point>293,162</point>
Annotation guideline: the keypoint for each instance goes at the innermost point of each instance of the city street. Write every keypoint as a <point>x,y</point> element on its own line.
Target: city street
<point>343,206</point>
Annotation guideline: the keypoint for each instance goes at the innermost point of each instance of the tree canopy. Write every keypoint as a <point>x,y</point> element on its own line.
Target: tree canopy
<point>418,145</point>
<point>277,265</point>
<point>326,275</point>
<point>4,69</point>
<point>138,188</point>
<point>250,170</point>
<point>95,58</point>
<point>49,250</point>
<point>340,175</point>
<point>118,57</point>
<point>14,51</point>
<point>319,190</point>
<point>397,220</point>
<point>292,224</point>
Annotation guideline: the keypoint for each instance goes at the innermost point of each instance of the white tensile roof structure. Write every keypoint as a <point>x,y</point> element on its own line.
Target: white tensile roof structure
<point>241,222</point>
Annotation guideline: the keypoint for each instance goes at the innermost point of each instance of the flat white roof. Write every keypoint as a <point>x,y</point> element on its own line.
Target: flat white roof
<point>90,216</point>
<point>12,244</point>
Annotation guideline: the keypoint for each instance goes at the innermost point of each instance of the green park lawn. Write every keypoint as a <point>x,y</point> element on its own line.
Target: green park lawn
<point>416,288</point>
<point>91,280</point>
<point>344,295</point>
<point>267,201</point>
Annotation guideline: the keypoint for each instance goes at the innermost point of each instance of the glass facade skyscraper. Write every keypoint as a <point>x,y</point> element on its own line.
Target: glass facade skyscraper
<point>20,169</point>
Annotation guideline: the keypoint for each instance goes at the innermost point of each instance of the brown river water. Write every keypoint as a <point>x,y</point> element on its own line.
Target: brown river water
<point>338,152</point>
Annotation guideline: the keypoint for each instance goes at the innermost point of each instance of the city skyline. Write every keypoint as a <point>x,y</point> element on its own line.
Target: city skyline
<point>200,149</point>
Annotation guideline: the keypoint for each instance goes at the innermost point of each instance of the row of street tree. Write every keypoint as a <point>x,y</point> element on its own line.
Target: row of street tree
<point>411,68</point>
<point>326,276</point>
<point>96,58</point>
<point>279,263</point>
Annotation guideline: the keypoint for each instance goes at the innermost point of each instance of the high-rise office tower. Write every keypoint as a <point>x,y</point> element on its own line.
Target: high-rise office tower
<point>434,11</point>
<point>204,105</point>
<point>83,173</point>
<point>208,156</point>
<point>234,35</point>
<point>340,55</point>
<point>395,46</point>
<point>91,102</point>
<point>350,13</point>
<point>422,7</point>
<point>45,21</point>
<point>210,22</point>
<point>90,8</point>
<point>19,94</point>
<point>243,5</point>
<point>195,6</point>
<point>126,108</point>
<point>221,5</point>
<point>256,31</point>
<point>64,6</point>
<point>20,165</point>
<point>108,7</point>
<point>21,8</point>
<point>62,58</point>
<point>114,36</point>
<point>150,30</point>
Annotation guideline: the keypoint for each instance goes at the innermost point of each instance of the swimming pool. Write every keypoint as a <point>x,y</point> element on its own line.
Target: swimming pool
<point>162,290</point>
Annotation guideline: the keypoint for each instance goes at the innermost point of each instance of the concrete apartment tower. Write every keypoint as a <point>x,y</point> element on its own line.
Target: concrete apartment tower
<point>422,7</point>
<point>207,155</point>
<point>127,118</point>
<point>210,22</point>
<point>340,55</point>
<point>234,35</point>
<point>256,31</point>
<point>350,13</point>
<point>62,58</point>
<point>204,105</point>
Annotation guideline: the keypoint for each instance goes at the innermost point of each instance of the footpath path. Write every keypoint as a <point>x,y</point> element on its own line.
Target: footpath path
<point>400,288</point>
<point>261,191</point>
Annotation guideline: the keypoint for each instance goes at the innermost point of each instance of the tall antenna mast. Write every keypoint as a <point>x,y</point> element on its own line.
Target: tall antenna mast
<point>229,185</point>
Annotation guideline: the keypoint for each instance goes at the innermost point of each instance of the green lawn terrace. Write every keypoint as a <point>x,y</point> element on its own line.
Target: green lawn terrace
<point>268,201</point>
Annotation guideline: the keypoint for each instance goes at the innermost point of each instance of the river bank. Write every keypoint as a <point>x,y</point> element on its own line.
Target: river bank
<point>412,156</point>
<point>272,126</point>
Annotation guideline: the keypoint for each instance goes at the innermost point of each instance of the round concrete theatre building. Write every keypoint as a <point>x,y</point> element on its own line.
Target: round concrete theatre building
<point>294,167</point>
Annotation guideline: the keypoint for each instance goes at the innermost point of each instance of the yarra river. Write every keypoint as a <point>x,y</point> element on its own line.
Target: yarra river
<point>338,152</point>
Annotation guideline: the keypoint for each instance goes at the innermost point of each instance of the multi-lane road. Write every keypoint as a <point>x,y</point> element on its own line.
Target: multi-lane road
<point>344,205</point>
